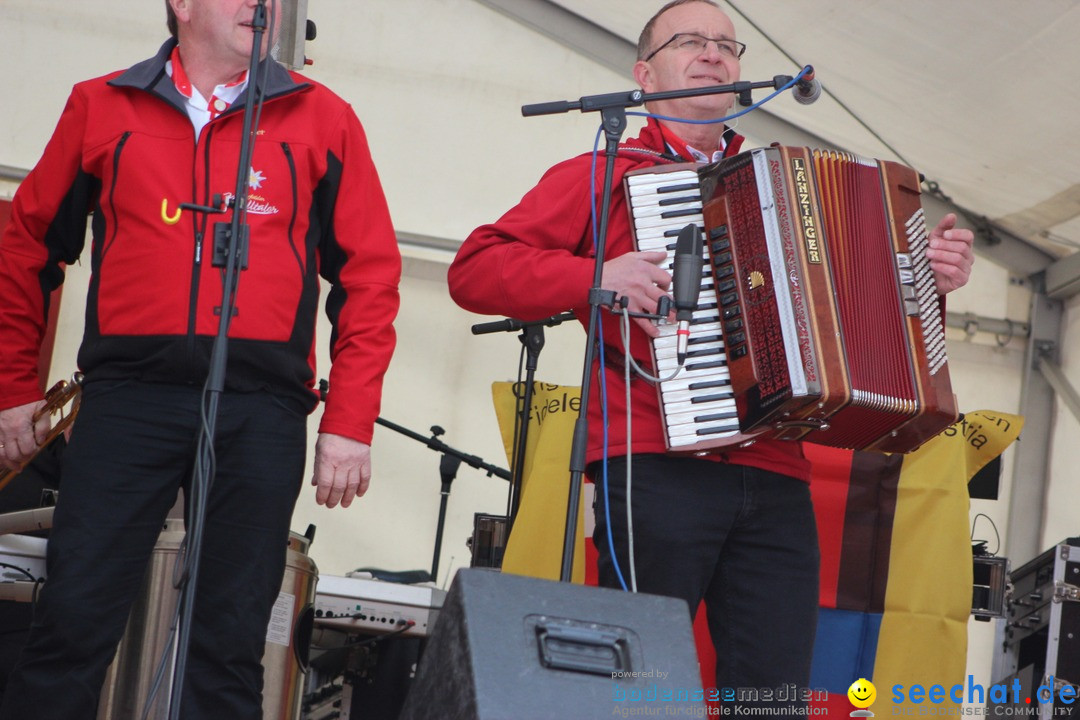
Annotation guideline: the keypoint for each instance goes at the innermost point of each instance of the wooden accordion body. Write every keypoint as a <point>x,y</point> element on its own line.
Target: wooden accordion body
<point>818,319</point>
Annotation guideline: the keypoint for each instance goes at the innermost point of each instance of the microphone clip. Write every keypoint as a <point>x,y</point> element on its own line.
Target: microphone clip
<point>686,283</point>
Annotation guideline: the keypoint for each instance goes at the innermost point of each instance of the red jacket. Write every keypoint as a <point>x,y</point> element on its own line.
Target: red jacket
<point>125,151</point>
<point>537,261</point>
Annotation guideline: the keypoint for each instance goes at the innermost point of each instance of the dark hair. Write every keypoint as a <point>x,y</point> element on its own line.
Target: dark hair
<point>170,18</point>
<point>645,40</point>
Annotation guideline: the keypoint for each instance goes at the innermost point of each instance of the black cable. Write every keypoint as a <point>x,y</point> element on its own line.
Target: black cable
<point>24,571</point>
<point>37,584</point>
<point>406,625</point>
<point>997,536</point>
<point>163,663</point>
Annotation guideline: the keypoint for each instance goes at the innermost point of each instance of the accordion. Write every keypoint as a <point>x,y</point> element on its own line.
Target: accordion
<point>817,317</point>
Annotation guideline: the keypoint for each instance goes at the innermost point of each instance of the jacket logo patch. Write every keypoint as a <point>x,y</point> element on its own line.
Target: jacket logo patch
<point>256,204</point>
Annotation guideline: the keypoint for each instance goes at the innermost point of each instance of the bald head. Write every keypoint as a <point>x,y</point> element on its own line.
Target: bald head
<point>645,40</point>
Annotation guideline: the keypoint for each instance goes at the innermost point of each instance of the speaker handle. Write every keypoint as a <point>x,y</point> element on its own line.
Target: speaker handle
<point>599,652</point>
<point>305,625</point>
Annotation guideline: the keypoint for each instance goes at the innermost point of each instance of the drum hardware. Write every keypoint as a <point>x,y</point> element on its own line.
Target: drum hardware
<point>448,466</point>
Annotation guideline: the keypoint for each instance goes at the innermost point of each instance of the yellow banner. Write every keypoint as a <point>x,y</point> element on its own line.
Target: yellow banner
<point>536,544</point>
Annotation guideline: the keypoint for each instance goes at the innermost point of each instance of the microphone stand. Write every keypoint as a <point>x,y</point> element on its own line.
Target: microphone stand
<point>229,250</point>
<point>532,337</point>
<point>612,108</point>
<point>448,466</point>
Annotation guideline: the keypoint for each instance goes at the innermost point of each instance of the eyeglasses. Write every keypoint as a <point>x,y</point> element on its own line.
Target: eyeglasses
<point>692,42</point>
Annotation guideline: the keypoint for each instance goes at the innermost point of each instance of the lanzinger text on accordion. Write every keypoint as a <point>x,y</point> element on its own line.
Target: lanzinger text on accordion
<point>818,317</point>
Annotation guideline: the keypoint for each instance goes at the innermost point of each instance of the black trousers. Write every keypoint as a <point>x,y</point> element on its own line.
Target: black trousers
<point>131,450</point>
<point>743,540</point>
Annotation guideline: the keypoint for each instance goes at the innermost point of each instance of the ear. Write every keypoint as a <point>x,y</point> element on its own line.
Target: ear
<point>643,74</point>
<point>182,10</point>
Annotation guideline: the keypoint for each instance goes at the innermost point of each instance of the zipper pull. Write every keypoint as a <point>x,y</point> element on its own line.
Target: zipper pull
<point>198,247</point>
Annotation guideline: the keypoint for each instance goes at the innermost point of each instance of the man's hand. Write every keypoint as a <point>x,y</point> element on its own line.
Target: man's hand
<point>950,255</point>
<point>20,436</point>
<point>637,277</point>
<point>342,469</point>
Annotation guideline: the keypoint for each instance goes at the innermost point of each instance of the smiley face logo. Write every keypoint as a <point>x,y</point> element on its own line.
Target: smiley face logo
<point>862,693</point>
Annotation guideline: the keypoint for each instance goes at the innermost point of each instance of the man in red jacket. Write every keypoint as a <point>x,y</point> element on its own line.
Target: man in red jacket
<point>130,148</point>
<point>735,527</point>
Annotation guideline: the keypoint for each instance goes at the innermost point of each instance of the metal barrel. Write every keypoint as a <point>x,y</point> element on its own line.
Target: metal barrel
<point>288,636</point>
<point>131,677</point>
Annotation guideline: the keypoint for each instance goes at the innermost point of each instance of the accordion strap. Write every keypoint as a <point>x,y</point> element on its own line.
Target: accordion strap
<point>660,158</point>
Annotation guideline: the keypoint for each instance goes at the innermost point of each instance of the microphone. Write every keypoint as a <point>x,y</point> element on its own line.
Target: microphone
<point>686,284</point>
<point>807,89</point>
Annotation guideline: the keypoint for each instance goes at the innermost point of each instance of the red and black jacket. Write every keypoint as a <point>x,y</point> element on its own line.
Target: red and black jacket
<point>538,260</point>
<point>125,152</point>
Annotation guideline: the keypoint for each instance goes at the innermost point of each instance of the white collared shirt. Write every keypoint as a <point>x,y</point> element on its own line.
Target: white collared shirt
<point>199,109</point>
<point>700,157</point>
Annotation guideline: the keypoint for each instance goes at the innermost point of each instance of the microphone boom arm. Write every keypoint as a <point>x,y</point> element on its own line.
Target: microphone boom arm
<point>633,98</point>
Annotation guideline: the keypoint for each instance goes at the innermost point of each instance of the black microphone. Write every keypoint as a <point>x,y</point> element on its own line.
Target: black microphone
<point>807,89</point>
<point>686,283</point>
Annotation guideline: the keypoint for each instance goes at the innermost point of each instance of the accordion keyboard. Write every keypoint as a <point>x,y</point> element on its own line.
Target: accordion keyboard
<point>698,404</point>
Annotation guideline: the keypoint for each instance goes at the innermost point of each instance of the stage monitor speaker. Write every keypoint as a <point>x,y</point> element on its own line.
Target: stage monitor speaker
<point>507,646</point>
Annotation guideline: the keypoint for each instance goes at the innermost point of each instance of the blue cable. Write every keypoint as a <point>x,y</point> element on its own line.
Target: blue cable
<point>739,114</point>
<point>603,378</point>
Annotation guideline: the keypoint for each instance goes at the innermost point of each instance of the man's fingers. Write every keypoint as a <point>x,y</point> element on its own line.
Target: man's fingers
<point>352,486</point>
